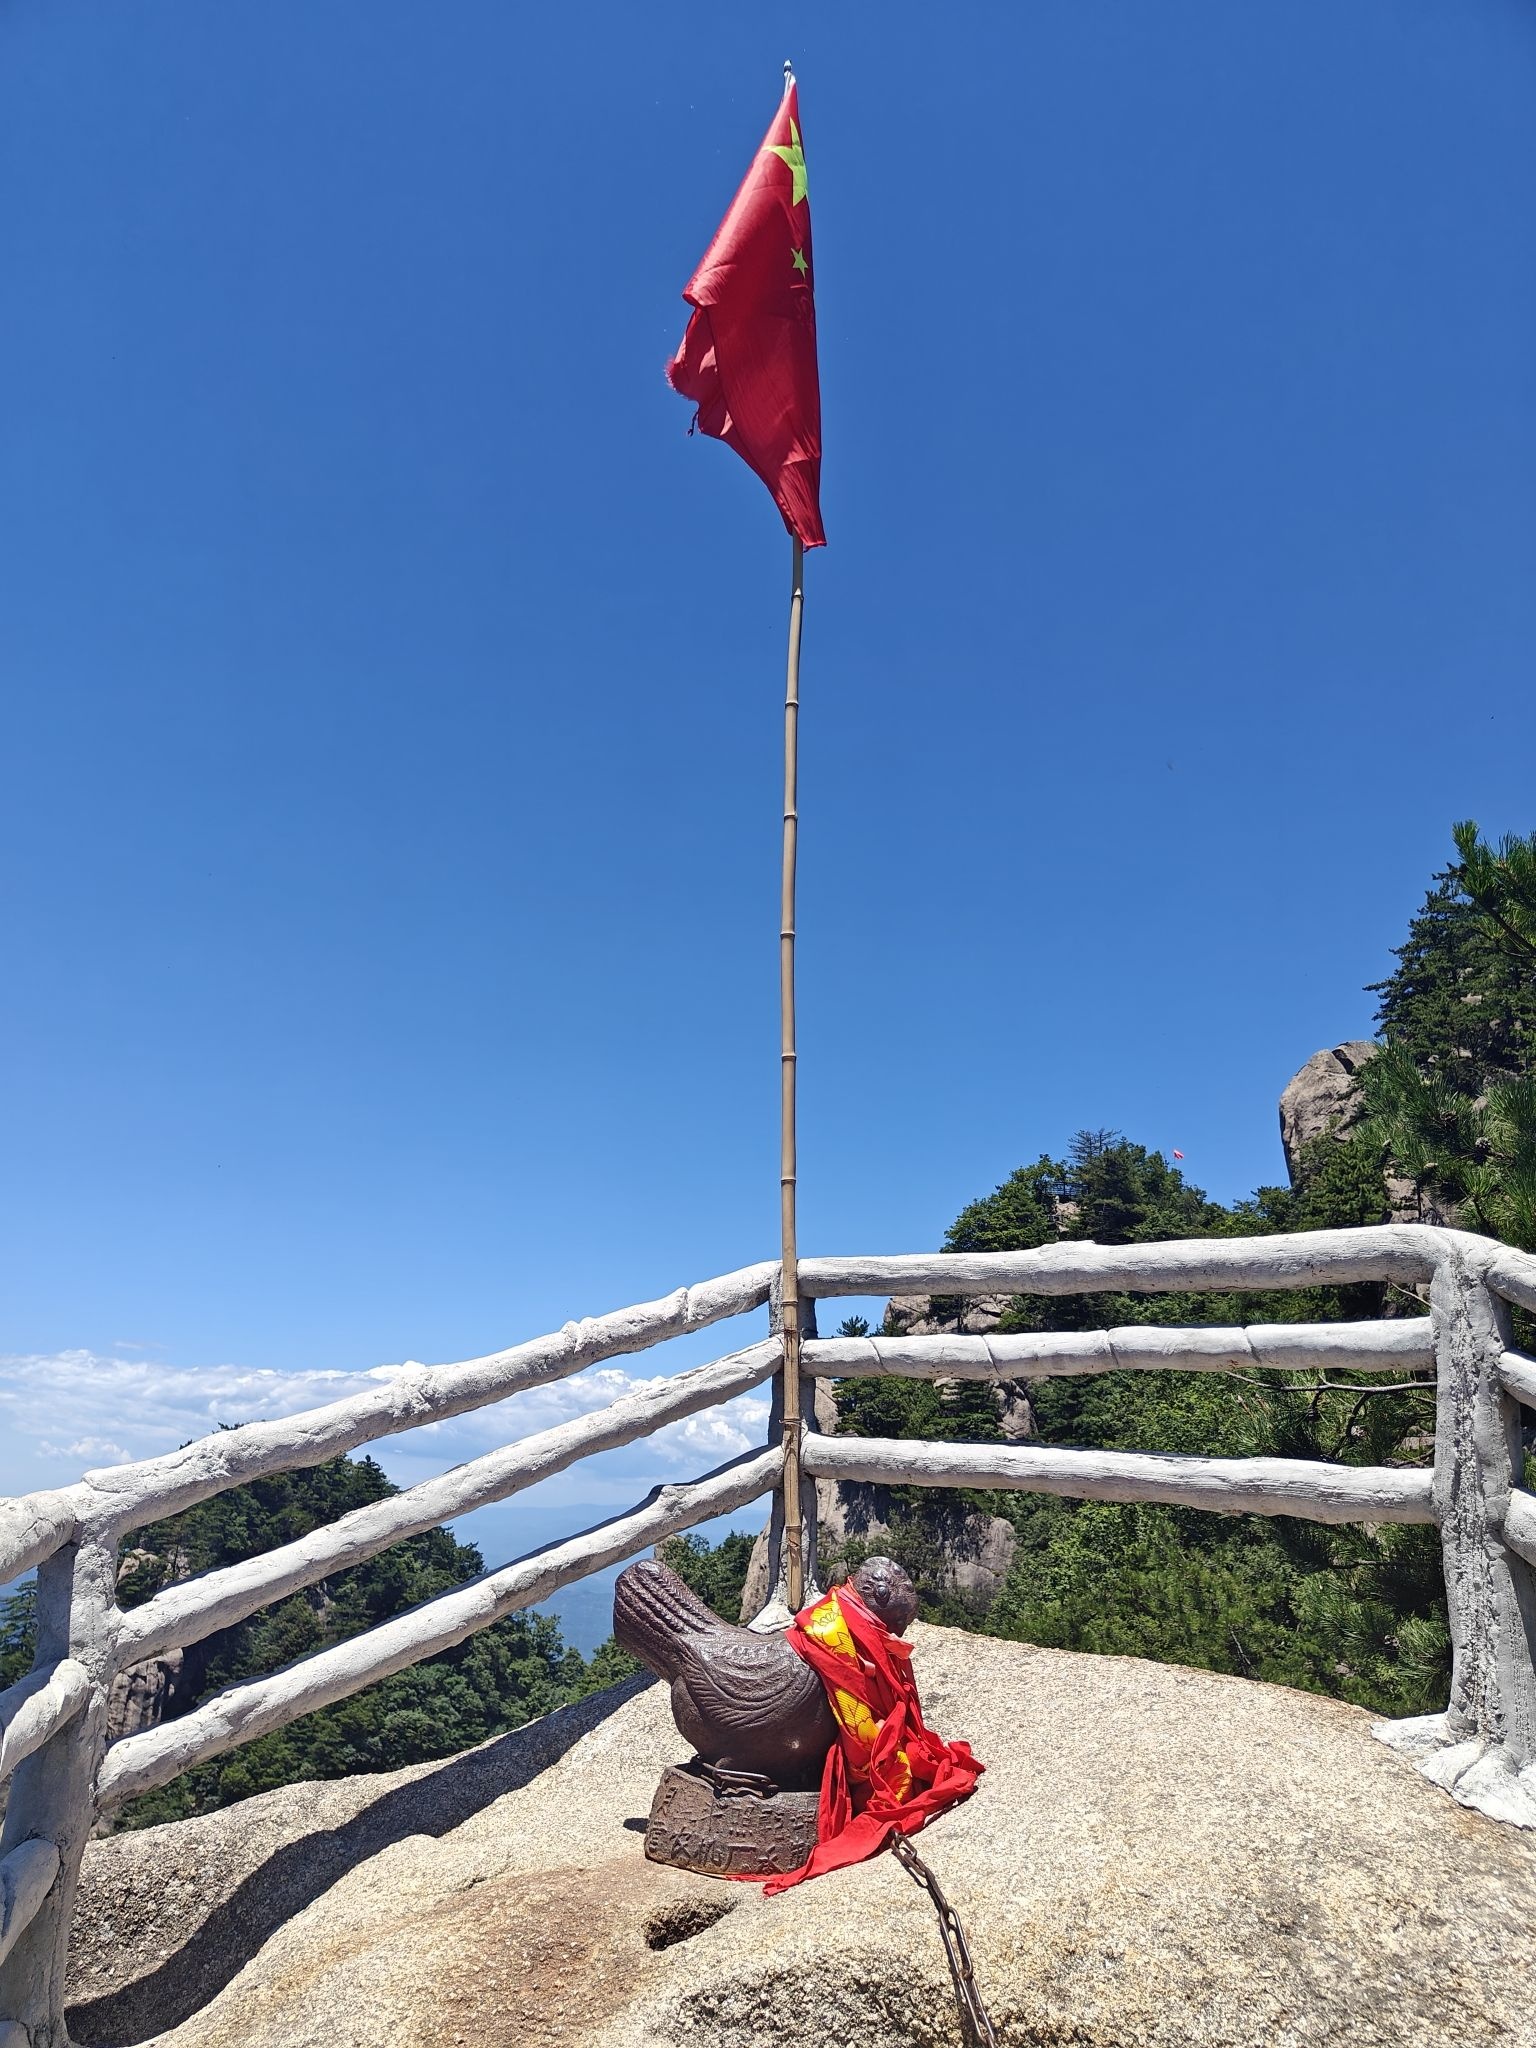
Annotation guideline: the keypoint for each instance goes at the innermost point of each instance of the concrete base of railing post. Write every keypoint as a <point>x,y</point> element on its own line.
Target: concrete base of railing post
<point>820,1413</point>
<point>1476,1774</point>
<point>1482,1750</point>
<point>52,1793</point>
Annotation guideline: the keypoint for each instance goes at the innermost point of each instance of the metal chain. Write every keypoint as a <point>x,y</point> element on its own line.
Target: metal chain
<point>975,2024</point>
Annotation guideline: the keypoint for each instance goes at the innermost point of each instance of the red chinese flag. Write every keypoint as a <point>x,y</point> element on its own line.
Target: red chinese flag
<point>748,360</point>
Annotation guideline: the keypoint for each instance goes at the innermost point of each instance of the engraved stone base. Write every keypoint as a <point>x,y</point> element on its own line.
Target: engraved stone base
<point>692,1826</point>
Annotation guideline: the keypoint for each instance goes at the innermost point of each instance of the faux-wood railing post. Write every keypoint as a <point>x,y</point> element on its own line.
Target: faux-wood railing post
<point>1490,1594</point>
<point>52,1797</point>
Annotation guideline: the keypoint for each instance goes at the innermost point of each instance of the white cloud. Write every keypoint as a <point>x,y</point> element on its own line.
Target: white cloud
<point>66,1411</point>
<point>99,1450</point>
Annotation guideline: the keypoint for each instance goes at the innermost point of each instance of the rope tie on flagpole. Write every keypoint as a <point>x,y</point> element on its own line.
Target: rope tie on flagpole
<point>975,2022</point>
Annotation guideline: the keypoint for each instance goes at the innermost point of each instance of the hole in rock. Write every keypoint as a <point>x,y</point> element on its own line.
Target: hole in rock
<point>681,1919</point>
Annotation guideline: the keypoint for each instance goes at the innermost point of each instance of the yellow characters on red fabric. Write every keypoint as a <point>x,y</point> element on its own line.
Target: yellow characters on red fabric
<point>887,1772</point>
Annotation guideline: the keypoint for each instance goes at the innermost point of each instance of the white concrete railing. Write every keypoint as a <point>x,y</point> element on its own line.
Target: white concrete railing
<point>52,1724</point>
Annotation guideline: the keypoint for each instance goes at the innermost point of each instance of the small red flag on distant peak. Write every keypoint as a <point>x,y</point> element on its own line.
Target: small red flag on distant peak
<point>748,359</point>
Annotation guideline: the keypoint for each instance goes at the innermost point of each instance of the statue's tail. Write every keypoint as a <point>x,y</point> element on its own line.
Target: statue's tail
<point>655,1614</point>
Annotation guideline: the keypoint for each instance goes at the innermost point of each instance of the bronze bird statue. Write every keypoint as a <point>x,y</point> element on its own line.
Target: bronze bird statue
<point>744,1701</point>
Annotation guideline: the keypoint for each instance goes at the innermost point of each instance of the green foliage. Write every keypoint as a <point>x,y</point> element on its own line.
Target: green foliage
<point>18,1632</point>
<point>1112,1185</point>
<point>954,1411</point>
<point>1452,1099</point>
<point>1339,1186</point>
<point>498,1679</point>
<point>608,1665</point>
<point>1014,1217</point>
<point>1361,1619</point>
<point>1461,998</point>
<point>717,1572</point>
<point>1107,1189</point>
<point>1501,882</point>
<point>1476,1155</point>
<point>1120,1193</point>
<point>249,1519</point>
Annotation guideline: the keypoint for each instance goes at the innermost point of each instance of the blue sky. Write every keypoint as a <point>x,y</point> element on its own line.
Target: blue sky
<point>390,769</point>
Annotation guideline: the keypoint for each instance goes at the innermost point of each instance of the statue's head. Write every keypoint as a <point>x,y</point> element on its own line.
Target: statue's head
<point>887,1592</point>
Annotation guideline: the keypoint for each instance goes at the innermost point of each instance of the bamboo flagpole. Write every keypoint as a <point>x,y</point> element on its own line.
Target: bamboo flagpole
<point>748,362</point>
<point>789,1279</point>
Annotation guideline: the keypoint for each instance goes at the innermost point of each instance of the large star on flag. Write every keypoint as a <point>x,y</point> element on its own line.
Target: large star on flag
<point>794,156</point>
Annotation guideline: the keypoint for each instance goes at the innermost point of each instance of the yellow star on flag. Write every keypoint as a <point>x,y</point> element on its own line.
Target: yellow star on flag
<point>794,156</point>
<point>798,260</point>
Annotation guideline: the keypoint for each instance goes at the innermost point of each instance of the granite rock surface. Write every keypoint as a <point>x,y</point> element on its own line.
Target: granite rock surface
<point>1323,1096</point>
<point>1156,1856</point>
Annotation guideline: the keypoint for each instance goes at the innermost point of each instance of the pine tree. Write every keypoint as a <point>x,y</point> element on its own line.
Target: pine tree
<point>1452,1098</point>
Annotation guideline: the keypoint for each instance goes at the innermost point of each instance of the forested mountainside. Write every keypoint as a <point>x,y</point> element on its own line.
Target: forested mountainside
<point>1442,1122</point>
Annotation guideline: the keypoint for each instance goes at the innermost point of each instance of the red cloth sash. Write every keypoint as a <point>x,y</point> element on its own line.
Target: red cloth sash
<point>887,1771</point>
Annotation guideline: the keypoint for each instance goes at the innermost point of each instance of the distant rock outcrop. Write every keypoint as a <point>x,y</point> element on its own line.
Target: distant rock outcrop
<point>974,1550</point>
<point>913,1315</point>
<point>1155,1855</point>
<point>139,1694</point>
<point>978,1549</point>
<point>1324,1096</point>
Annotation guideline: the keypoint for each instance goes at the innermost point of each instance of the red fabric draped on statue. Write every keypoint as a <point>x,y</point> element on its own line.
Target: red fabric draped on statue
<point>887,1772</point>
<point>748,359</point>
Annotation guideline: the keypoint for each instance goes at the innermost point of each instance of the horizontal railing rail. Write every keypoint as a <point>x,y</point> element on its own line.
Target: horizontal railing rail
<point>52,1723</point>
<point>1520,1523</point>
<point>127,1496</point>
<point>1231,1486</point>
<point>1519,1376</point>
<point>193,1608</point>
<point>240,1714</point>
<point>35,1708</point>
<point>1510,1273</point>
<point>36,1527</point>
<point>1407,1344</point>
<point>1405,1252</point>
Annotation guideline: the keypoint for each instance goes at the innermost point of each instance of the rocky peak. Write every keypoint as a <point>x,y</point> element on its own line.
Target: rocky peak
<point>1324,1096</point>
